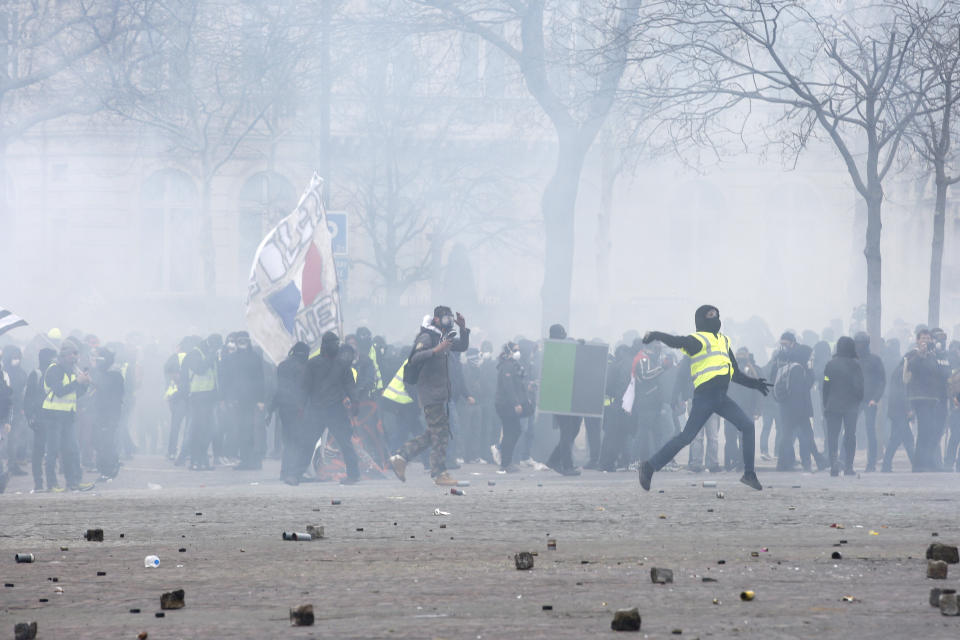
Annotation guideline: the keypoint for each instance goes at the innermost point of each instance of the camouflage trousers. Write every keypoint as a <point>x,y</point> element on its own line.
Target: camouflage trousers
<point>435,436</point>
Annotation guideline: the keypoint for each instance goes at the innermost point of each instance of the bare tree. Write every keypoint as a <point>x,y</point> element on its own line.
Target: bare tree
<point>417,175</point>
<point>847,78</point>
<point>571,57</point>
<point>48,51</point>
<point>933,133</point>
<point>211,76</point>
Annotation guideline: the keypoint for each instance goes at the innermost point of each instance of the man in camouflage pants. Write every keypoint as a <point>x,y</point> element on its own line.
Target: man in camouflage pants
<point>431,354</point>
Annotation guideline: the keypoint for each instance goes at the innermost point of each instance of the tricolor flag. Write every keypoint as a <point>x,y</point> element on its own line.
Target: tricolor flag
<point>10,321</point>
<point>293,294</point>
<point>573,376</point>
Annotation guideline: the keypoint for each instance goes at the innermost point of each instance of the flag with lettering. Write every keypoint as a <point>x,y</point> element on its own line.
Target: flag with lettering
<point>293,293</point>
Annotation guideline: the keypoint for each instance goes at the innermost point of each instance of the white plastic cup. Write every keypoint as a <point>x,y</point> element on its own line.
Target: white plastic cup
<point>151,562</point>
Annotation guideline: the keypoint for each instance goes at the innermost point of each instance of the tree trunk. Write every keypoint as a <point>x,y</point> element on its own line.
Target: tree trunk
<point>608,178</point>
<point>872,254</point>
<point>936,254</point>
<point>558,205</point>
<point>207,248</point>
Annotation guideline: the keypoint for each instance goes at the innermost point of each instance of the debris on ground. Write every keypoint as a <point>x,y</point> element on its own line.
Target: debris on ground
<point>661,576</point>
<point>25,630</point>
<point>523,560</point>
<point>747,595</point>
<point>937,569</point>
<point>301,616</point>
<point>94,535</point>
<point>626,620</point>
<point>172,600</point>
<point>945,552</point>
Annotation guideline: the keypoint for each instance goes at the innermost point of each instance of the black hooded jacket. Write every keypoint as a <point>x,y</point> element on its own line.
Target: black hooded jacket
<point>874,374</point>
<point>843,379</point>
<point>692,346</point>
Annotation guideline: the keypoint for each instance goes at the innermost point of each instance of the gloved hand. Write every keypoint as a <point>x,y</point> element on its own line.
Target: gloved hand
<point>761,385</point>
<point>648,337</point>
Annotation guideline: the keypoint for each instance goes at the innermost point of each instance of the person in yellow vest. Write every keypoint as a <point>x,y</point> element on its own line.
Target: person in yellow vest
<point>62,385</point>
<point>199,372</point>
<point>712,367</point>
<point>176,395</point>
<point>401,400</point>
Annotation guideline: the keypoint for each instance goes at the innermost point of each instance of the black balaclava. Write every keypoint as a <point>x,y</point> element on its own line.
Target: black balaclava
<point>329,345</point>
<point>299,352</point>
<point>846,347</point>
<point>704,323</point>
<point>862,342</point>
<point>557,332</point>
<point>364,340</point>
<point>45,358</point>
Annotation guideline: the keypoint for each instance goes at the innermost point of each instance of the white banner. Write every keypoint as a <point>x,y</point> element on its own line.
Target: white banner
<point>294,294</point>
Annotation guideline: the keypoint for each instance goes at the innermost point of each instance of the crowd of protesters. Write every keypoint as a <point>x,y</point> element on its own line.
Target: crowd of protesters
<point>361,407</point>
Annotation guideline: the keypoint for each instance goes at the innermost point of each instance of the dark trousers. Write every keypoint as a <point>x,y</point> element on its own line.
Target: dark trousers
<point>848,422</point>
<point>510,422</point>
<point>928,435</point>
<point>870,425</point>
<point>732,456</point>
<point>337,423</point>
<point>647,430</point>
<point>796,426</point>
<point>108,456</point>
<point>39,448</point>
<point>705,404</point>
<point>61,441</point>
<point>200,409</point>
<point>594,435</point>
<point>178,413</point>
<point>900,433</point>
<point>616,433</point>
<point>298,443</point>
<point>245,423</point>
<point>562,457</point>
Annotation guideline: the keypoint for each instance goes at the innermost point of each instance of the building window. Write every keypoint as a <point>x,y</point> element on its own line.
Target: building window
<point>169,205</point>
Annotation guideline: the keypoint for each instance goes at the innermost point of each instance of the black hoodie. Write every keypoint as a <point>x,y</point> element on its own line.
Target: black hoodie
<point>874,374</point>
<point>843,379</point>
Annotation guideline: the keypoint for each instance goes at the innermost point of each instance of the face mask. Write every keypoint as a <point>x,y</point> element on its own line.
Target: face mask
<point>14,363</point>
<point>516,355</point>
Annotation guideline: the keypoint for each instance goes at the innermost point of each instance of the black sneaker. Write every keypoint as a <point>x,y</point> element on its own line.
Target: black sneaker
<point>646,474</point>
<point>749,478</point>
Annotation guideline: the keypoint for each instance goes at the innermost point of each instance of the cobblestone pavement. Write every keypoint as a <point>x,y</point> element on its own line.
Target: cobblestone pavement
<point>389,568</point>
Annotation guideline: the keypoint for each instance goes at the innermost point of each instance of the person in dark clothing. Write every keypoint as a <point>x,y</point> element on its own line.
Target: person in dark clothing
<point>939,337</point>
<point>842,395</point>
<point>243,392</point>
<point>874,385</point>
<point>511,402</point>
<point>796,411</point>
<point>459,393</point>
<point>712,367</point>
<point>330,387</point>
<point>290,402</point>
<point>616,422</point>
<point>561,459</point>
<point>751,405</point>
<point>771,409</point>
<point>471,413</point>
<point>33,396</point>
<point>18,440</point>
<point>821,356</point>
<point>429,356</point>
<point>898,412</point>
<point>926,388</point>
<point>648,398</point>
<point>199,373</point>
<point>108,395</point>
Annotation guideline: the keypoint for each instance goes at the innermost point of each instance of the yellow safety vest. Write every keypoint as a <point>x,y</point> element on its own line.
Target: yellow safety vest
<point>712,360</point>
<point>376,368</point>
<point>396,390</point>
<point>200,382</point>
<point>66,403</point>
<point>172,385</point>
